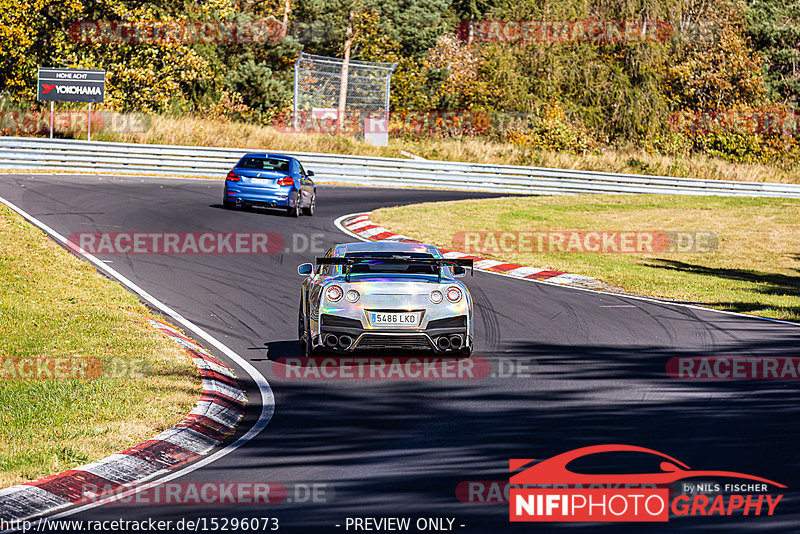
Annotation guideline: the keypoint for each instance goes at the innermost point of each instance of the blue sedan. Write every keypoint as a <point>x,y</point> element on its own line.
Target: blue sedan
<point>271,180</point>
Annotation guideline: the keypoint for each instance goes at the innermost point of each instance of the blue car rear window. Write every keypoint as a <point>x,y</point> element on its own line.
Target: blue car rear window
<point>265,164</point>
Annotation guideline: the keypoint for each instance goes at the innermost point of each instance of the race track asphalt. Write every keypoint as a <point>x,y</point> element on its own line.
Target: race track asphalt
<point>590,369</point>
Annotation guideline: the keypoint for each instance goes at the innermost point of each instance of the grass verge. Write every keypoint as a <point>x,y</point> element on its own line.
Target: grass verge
<point>224,133</point>
<point>755,268</point>
<point>53,305</point>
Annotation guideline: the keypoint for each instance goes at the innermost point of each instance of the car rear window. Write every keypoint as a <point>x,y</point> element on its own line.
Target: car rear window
<point>395,268</point>
<point>265,164</point>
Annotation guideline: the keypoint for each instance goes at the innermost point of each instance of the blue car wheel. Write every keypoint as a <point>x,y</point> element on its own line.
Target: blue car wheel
<point>311,206</point>
<point>296,211</point>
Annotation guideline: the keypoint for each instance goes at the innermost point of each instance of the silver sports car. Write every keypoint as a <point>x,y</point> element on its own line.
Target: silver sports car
<point>385,295</point>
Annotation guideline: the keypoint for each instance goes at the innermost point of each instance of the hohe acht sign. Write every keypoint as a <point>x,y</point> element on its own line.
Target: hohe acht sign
<point>71,85</point>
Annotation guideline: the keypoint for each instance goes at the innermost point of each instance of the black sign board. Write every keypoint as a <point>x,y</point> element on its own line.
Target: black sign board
<point>71,85</point>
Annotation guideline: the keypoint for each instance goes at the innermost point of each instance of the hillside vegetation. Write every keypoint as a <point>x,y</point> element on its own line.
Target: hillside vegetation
<point>720,78</point>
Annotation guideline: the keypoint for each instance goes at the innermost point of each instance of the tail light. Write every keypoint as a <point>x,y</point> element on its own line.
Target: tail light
<point>352,296</point>
<point>286,180</point>
<point>453,294</point>
<point>334,293</point>
<point>436,297</point>
<point>233,177</point>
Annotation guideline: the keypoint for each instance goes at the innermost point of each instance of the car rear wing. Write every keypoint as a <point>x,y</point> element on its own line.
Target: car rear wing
<point>348,262</point>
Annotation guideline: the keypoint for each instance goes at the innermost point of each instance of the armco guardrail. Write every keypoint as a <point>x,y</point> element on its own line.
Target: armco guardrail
<point>59,154</point>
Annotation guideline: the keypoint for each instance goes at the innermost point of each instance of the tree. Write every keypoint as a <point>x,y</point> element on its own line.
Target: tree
<point>774,28</point>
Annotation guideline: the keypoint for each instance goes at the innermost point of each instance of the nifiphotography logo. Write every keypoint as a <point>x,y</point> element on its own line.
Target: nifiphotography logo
<point>549,490</point>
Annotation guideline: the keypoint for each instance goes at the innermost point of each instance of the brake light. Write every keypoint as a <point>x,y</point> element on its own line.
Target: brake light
<point>436,297</point>
<point>453,294</point>
<point>233,177</point>
<point>286,180</point>
<point>352,296</point>
<point>334,293</point>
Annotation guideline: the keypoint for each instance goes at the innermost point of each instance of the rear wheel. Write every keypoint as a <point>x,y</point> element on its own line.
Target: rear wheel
<point>228,204</point>
<point>296,211</point>
<point>311,206</point>
<point>304,334</point>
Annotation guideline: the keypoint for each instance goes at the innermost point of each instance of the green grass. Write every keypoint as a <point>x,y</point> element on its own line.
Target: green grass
<point>755,269</point>
<point>52,305</point>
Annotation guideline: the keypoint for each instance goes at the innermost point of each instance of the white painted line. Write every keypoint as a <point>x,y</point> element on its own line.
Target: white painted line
<point>568,278</point>
<point>452,254</point>
<point>358,225</point>
<point>487,264</point>
<point>267,397</point>
<point>373,231</point>
<point>340,226</point>
<point>524,271</point>
<point>358,219</point>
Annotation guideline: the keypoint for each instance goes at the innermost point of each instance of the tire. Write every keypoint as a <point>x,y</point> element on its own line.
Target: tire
<point>301,326</point>
<point>311,207</point>
<point>228,204</point>
<point>296,211</point>
<point>304,335</point>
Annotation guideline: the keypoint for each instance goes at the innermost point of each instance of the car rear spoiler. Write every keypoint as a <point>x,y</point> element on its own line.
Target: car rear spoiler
<point>348,262</point>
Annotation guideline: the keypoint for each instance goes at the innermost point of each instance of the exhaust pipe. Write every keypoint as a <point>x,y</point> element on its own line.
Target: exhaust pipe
<point>455,342</point>
<point>443,343</point>
<point>331,341</point>
<point>345,341</point>
<point>273,204</point>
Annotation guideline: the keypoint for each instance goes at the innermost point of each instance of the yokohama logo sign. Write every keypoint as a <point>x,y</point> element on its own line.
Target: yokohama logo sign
<point>72,90</point>
<point>71,85</point>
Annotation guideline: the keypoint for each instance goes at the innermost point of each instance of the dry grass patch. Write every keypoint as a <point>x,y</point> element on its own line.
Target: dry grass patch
<point>223,133</point>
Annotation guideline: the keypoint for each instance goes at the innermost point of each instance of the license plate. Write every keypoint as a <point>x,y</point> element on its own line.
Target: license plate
<point>409,319</point>
<point>264,181</point>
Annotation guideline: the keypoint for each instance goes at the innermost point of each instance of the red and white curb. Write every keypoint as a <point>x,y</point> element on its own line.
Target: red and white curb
<point>361,226</point>
<point>218,411</point>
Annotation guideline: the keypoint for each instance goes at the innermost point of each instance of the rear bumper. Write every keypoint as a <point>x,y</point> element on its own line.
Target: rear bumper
<point>439,340</point>
<point>264,197</point>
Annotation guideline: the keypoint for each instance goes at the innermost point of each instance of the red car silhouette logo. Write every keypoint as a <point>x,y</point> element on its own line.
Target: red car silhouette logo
<point>554,470</point>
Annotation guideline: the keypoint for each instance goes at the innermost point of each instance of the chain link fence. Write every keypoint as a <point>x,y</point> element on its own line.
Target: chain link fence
<point>320,95</point>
